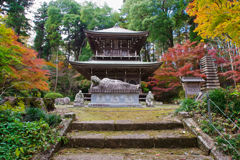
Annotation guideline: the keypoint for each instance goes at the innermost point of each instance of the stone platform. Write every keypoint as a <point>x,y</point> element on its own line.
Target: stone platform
<point>114,100</point>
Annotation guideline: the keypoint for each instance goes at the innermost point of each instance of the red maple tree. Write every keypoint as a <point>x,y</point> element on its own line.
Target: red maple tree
<point>179,61</point>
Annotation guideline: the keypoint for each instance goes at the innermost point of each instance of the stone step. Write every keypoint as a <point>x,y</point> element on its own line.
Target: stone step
<point>126,125</point>
<point>130,154</point>
<point>132,139</point>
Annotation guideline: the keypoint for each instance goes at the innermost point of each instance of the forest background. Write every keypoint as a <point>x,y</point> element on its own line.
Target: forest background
<point>178,31</point>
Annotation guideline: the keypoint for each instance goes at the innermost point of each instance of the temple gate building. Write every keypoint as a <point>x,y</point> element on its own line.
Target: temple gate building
<point>116,56</point>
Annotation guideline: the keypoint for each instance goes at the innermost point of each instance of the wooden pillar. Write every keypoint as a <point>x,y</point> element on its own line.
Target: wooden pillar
<point>125,76</point>
<point>186,96</point>
<point>140,73</point>
<point>111,53</point>
<point>128,47</point>
<point>121,48</point>
<point>103,47</point>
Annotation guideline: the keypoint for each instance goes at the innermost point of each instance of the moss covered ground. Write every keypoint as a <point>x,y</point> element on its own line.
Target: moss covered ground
<point>158,113</point>
<point>150,133</point>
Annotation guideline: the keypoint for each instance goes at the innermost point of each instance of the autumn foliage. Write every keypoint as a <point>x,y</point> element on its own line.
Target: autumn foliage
<point>228,72</point>
<point>217,19</point>
<point>19,66</point>
<point>179,61</point>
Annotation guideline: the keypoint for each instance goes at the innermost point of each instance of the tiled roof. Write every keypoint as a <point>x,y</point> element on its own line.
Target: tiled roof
<point>192,79</point>
<point>116,30</point>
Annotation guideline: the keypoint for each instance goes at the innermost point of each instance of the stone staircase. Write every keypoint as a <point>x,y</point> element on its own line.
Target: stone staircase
<point>124,139</point>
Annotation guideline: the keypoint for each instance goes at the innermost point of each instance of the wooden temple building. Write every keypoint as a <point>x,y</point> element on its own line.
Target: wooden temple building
<point>116,56</point>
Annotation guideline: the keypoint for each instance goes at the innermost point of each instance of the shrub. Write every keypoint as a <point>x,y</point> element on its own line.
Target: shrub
<point>226,148</point>
<point>19,107</point>
<point>36,114</point>
<point>53,95</point>
<point>19,103</point>
<point>181,94</point>
<point>21,140</point>
<point>53,119</point>
<point>144,87</point>
<point>187,105</point>
<point>228,100</point>
<point>220,98</point>
<point>9,116</point>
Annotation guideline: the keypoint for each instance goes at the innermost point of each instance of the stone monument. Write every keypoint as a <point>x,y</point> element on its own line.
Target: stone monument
<point>149,99</point>
<point>62,101</point>
<point>79,100</point>
<point>113,93</point>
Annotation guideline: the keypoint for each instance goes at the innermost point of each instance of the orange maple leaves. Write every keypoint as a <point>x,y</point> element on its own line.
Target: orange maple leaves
<point>19,64</point>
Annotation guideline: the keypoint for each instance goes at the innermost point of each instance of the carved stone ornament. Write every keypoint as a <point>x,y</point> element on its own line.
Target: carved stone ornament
<point>100,98</point>
<point>129,98</point>
<point>115,98</point>
<point>149,99</point>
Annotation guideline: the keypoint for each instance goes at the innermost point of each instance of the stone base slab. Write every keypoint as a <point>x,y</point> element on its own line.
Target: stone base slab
<point>78,104</point>
<point>150,106</point>
<point>114,105</point>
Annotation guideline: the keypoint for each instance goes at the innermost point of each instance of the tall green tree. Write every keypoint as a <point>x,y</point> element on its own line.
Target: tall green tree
<point>162,18</point>
<point>40,38</point>
<point>78,17</point>
<point>54,36</point>
<point>16,19</point>
<point>98,18</point>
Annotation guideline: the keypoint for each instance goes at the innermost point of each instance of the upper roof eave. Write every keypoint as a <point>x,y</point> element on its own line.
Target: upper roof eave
<point>112,32</point>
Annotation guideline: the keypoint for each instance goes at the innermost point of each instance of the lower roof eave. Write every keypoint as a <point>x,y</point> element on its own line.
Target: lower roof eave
<point>148,67</point>
<point>120,64</point>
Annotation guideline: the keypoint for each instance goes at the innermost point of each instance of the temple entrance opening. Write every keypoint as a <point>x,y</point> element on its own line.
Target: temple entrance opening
<point>132,82</point>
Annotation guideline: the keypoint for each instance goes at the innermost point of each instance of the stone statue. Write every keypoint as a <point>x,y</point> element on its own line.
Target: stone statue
<point>149,99</point>
<point>62,101</point>
<point>108,84</point>
<point>79,100</point>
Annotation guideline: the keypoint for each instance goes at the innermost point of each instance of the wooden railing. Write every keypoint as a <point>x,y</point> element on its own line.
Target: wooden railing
<point>116,53</point>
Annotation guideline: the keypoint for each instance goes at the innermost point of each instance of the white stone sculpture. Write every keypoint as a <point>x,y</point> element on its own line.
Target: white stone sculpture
<point>79,100</point>
<point>113,93</point>
<point>149,99</point>
<point>108,84</point>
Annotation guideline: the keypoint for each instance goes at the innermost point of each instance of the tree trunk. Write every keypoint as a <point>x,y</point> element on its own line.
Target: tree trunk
<point>232,67</point>
<point>153,53</point>
<point>170,43</point>
<point>55,88</point>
